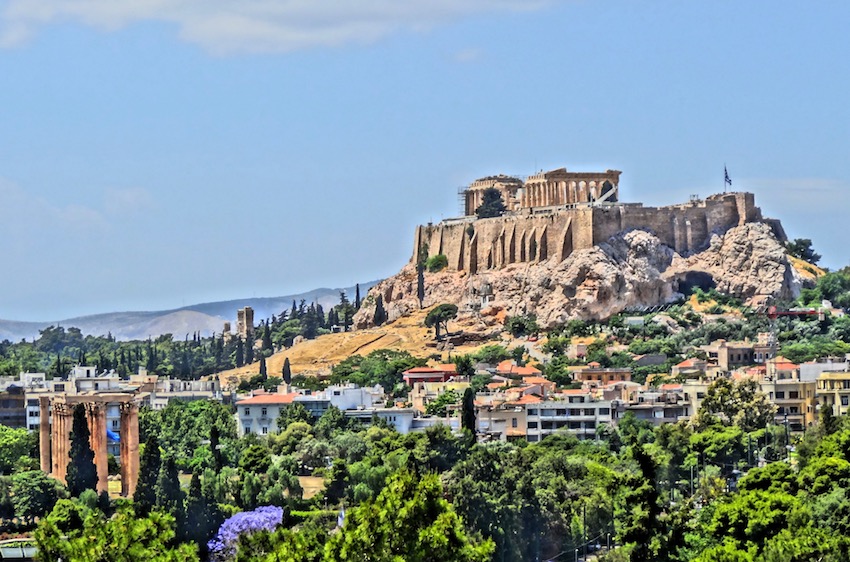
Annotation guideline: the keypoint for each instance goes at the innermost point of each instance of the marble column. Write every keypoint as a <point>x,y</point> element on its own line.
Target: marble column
<point>96,414</point>
<point>44,433</point>
<point>129,448</point>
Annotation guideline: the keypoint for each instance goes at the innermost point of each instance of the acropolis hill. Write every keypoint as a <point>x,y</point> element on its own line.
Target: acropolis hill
<point>552,214</point>
<point>568,247</point>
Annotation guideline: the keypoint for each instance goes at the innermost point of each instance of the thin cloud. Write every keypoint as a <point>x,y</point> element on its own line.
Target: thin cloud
<point>129,200</point>
<point>467,55</point>
<point>23,213</point>
<point>253,26</point>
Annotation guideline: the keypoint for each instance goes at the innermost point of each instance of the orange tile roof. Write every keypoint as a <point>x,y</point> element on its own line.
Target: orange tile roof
<point>786,366</point>
<point>268,399</point>
<point>447,367</point>
<point>536,380</point>
<point>526,371</point>
<point>594,364</point>
<point>505,365</point>
<point>690,362</point>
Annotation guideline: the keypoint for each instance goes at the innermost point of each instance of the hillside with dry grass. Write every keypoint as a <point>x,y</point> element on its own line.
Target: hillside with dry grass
<point>316,357</point>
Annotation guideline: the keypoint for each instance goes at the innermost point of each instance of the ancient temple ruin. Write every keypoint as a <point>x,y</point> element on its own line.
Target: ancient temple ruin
<point>546,189</point>
<point>57,413</point>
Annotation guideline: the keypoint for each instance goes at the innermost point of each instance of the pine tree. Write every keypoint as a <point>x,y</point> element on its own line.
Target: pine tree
<point>294,314</point>
<point>149,467</point>
<point>81,474</point>
<point>287,371</point>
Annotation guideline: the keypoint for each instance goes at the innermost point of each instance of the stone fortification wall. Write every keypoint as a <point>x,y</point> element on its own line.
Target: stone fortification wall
<point>534,235</point>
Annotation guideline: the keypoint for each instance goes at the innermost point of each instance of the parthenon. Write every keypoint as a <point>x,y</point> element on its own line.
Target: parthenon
<point>546,189</point>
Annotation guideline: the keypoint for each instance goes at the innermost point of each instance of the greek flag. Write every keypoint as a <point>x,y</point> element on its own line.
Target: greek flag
<point>726,175</point>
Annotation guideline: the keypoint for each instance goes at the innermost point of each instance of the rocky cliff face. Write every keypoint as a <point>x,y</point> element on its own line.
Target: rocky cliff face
<point>632,269</point>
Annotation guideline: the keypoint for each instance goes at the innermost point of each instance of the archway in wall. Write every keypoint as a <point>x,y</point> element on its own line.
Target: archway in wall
<point>693,280</point>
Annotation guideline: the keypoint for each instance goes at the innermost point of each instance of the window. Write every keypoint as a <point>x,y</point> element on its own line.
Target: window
<point>264,412</point>
<point>604,411</point>
<point>247,411</point>
<point>33,427</point>
<point>844,400</point>
<point>532,425</point>
<point>780,395</point>
<point>32,414</point>
<point>247,430</point>
<point>513,422</point>
<point>794,410</point>
<point>575,412</point>
<point>265,430</point>
<point>793,394</point>
<point>589,412</point>
<point>532,412</point>
<point>700,395</point>
<point>114,424</point>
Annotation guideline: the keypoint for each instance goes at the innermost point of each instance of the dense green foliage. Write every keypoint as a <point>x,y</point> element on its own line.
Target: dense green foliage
<point>492,204</point>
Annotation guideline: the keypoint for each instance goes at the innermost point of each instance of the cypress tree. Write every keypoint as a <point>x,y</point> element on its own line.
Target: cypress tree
<point>169,496</point>
<point>249,349</point>
<point>197,528</point>
<point>267,337</point>
<point>81,474</point>
<point>357,296</point>
<point>380,314</point>
<point>287,371</point>
<point>240,350</point>
<point>468,419</point>
<point>149,466</point>
<point>214,447</point>
<point>263,372</point>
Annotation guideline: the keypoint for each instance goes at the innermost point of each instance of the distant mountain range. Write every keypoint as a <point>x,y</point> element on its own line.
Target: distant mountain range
<point>206,318</point>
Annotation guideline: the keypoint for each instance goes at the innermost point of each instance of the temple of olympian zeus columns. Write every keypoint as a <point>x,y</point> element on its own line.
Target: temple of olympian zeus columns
<point>54,438</point>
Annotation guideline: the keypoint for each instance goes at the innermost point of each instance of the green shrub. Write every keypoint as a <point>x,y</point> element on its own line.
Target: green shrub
<point>436,263</point>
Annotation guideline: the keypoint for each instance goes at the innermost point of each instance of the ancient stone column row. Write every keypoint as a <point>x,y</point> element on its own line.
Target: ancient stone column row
<point>54,441</point>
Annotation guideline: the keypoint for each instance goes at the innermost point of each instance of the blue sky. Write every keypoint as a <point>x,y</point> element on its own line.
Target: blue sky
<point>155,153</point>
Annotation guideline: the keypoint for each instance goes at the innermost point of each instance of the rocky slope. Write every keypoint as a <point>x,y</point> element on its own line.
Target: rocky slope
<point>632,269</point>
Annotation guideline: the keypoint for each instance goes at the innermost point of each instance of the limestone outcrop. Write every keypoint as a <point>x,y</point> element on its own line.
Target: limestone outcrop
<point>633,268</point>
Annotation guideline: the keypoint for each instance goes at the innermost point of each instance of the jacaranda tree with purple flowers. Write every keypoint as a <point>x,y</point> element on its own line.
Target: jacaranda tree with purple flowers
<point>223,546</point>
